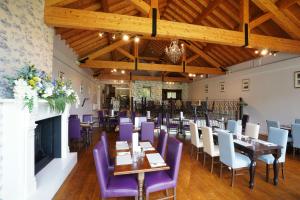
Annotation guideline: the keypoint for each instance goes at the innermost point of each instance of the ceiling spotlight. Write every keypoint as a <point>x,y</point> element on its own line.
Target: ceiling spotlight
<point>114,70</point>
<point>136,39</point>
<point>125,37</point>
<point>274,54</point>
<point>121,81</point>
<point>256,52</point>
<point>264,52</point>
<point>122,71</point>
<point>100,34</point>
<point>113,36</point>
<point>115,81</point>
<point>201,76</point>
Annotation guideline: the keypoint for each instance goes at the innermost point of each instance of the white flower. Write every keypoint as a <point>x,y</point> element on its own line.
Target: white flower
<point>20,89</point>
<point>48,91</point>
<point>69,92</point>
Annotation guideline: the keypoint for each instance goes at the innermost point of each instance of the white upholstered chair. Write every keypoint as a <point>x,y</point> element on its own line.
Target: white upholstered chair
<point>196,142</point>
<point>209,147</point>
<point>252,130</point>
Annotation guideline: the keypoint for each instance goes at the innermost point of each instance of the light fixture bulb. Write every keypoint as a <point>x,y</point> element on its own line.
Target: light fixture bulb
<point>256,52</point>
<point>113,37</point>
<point>125,37</point>
<point>100,34</point>
<point>201,76</point>
<point>121,81</point>
<point>136,39</point>
<point>122,71</point>
<point>264,52</point>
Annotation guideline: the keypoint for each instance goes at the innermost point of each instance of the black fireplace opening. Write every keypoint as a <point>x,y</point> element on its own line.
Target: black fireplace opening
<point>47,143</point>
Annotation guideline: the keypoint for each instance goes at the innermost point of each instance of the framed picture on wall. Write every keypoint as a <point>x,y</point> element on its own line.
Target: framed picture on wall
<point>146,92</point>
<point>297,79</point>
<point>206,88</point>
<point>245,85</point>
<point>222,86</point>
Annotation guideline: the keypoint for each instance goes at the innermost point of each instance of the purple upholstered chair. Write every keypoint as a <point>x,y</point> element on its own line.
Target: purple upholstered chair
<point>112,186</point>
<point>171,125</point>
<point>125,133</point>
<point>147,131</point>
<point>123,114</point>
<point>164,180</point>
<point>101,118</point>
<point>110,161</point>
<point>87,118</point>
<point>162,143</point>
<point>73,116</point>
<point>74,131</point>
<point>158,123</point>
<point>124,120</point>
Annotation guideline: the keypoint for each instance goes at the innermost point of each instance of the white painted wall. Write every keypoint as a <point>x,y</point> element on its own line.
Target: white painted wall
<point>272,94</point>
<point>64,60</point>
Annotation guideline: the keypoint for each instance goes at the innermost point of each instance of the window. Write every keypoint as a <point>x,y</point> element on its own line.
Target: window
<point>146,92</point>
<point>171,95</point>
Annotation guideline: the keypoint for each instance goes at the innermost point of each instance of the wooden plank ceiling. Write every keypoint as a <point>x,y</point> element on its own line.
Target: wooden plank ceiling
<point>279,18</point>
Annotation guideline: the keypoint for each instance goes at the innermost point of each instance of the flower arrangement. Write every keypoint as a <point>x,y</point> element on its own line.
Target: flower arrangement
<point>30,84</point>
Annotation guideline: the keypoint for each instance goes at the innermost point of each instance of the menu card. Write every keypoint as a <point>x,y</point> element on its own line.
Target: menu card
<point>146,146</point>
<point>122,145</point>
<point>155,160</point>
<point>246,144</point>
<point>135,141</point>
<point>124,159</point>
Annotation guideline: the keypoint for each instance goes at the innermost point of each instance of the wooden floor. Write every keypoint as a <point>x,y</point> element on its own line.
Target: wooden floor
<point>195,182</point>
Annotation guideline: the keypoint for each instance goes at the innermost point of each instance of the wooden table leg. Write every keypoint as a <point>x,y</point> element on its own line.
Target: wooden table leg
<point>252,173</point>
<point>275,168</point>
<point>141,177</point>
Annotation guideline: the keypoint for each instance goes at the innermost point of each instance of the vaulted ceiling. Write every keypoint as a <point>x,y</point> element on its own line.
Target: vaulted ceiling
<point>279,19</point>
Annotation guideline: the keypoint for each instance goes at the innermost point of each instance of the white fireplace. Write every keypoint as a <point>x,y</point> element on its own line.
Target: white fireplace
<point>17,178</point>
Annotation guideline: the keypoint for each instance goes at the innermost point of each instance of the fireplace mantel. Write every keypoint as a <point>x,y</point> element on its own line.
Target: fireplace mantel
<point>17,178</point>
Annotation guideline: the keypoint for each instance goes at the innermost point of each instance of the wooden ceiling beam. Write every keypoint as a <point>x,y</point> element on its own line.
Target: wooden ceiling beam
<point>280,18</point>
<point>141,78</point>
<point>244,14</point>
<point>192,58</point>
<point>59,2</point>
<point>100,64</point>
<point>125,53</point>
<point>81,19</point>
<point>284,4</point>
<point>211,6</point>
<point>107,49</point>
<point>260,20</point>
<point>141,6</point>
<point>90,20</point>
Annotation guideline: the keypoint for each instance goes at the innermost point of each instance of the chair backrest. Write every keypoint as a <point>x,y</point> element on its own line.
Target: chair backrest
<point>245,120</point>
<point>271,123</point>
<point>124,120</point>
<point>226,147</point>
<point>297,121</point>
<point>173,157</point>
<point>138,121</point>
<point>104,141</point>
<point>132,116</point>
<point>125,133</point>
<point>87,118</point>
<point>232,126</point>
<point>252,130</point>
<point>74,128</point>
<point>195,140</point>
<point>207,121</point>
<point>159,120</point>
<point>73,116</point>
<point>123,114</point>
<point>239,129</point>
<point>101,167</point>
<point>162,142</point>
<point>279,136</point>
<point>208,141</point>
<point>147,131</point>
<point>296,135</point>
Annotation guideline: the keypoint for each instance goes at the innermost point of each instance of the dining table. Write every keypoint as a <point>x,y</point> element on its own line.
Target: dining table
<point>254,148</point>
<point>181,122</point>
<point>137,164</point>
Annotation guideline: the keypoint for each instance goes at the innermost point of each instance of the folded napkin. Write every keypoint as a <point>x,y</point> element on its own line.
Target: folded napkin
<point>122,153</point>
<point>124,159</point>
<point>122,145</point>
<point>145,145</point>
<point>155,160</point>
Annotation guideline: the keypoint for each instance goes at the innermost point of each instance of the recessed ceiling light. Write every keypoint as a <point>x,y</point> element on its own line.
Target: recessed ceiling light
<point>136,39</point>
<point>264,52</point>
<point>125,37</point>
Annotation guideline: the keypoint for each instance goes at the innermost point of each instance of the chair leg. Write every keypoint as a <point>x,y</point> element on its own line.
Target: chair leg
<point>212,165</point>
<point>267,172</point>
<point>232,177</point>
<point>221,169</point>
<point>282,170</point>
<point>203,159</point>
<point>197,154</point>
<point>174,193</point>
<point>136,197</point>
<point>167,192</point>
<point>294,152</point>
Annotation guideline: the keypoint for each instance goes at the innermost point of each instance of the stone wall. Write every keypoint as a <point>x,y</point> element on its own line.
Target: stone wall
<point>156,89</point>
<point>24,38</point>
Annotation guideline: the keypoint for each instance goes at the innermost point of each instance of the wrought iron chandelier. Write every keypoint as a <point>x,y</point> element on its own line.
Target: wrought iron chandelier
<point>174,52</point>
